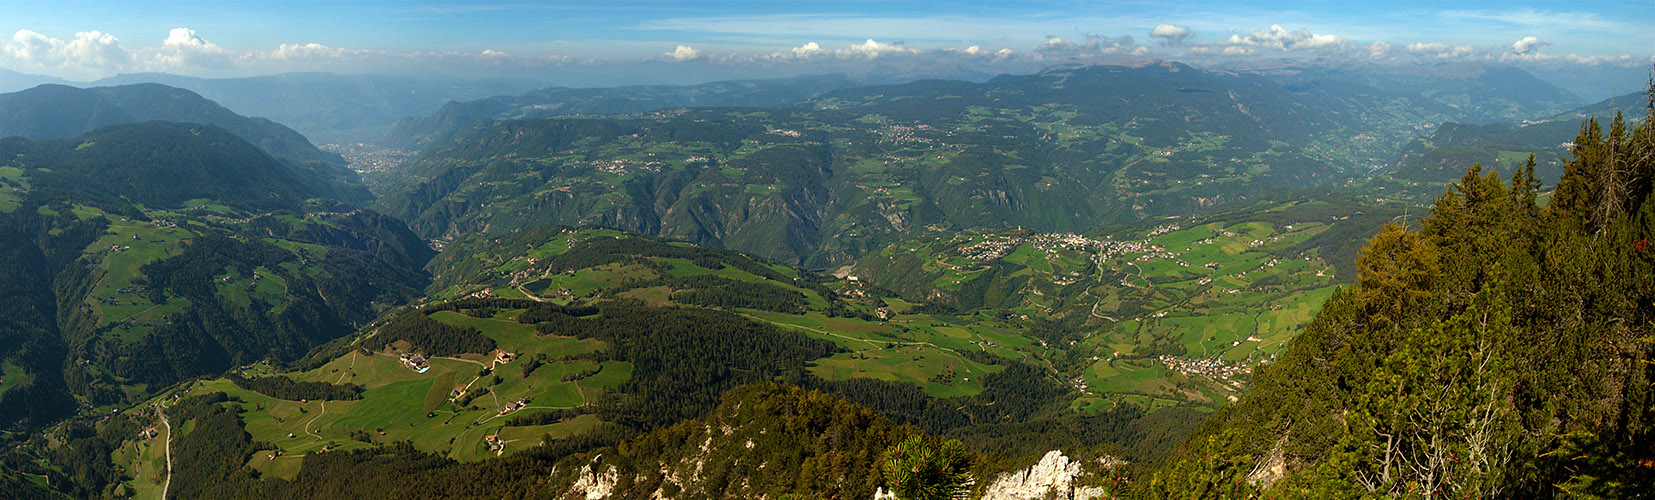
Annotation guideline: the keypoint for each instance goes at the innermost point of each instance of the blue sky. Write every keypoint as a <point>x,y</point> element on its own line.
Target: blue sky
<point>85,40</point>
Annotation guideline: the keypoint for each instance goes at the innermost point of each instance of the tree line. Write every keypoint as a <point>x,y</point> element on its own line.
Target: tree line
<point>286,388</point>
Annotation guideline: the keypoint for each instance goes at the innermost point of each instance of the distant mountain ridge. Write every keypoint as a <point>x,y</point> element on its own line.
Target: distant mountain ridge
<point>1506,145</point>
<point>12,81</point>
<point>1480,93</point>
<point>333,108</point>
<point>415,132</point>
<point>59,112</point>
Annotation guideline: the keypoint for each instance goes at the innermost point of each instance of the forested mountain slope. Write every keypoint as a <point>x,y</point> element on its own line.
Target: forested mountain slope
<point>163,164</point>
<point>147,253</point>
<point>1498,349</point>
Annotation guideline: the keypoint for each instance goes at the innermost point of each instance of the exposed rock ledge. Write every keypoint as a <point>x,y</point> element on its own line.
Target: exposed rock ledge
<point>1053,478</point>
<point>594,485</point>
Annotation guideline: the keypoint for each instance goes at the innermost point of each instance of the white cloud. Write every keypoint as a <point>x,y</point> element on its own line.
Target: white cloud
<point>31,47</point>
<point>1441,50</point>
<point>977,52</point>
<point>1279,38</point>
<point>869,49</point>
<point>1379,50</point>
<point>183,49</point>
<point>96,49</point>
<point>89,53</point>
<point>307,51</point>
<point>1528,45</point>
<point>1170,34</point>
<point>872,49</point>
<point>1095,46</point>
<point>684,53</point>
<point>808,50</point>
<point>1055,43</point>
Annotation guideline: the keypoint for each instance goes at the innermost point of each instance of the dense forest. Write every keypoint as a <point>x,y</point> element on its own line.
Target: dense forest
<point>684,358</point>
<point>285,388</point>
<point>430,337</point>
<point>1497,348</point>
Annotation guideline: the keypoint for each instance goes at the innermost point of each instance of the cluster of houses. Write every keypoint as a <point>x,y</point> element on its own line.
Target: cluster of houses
<point>364,158</point>
<point>990,249</point>
<point>315,215</point>
<point>512,406</point>
<point>1163,229</point>
<point>415,362</point>
<point>1214,368</point>
<point>853,288</point>
<point>1159,253</point>
<point>1105,247</point>
<point>903,133</point>
<point>625,165</point>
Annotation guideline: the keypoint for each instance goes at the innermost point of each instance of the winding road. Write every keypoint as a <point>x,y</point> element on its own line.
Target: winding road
<point>314,419</point>
<point>168,425</point>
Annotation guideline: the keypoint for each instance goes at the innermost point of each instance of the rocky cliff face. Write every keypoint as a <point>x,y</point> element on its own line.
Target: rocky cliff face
<point>596,481</point>
<point>1054,477</point>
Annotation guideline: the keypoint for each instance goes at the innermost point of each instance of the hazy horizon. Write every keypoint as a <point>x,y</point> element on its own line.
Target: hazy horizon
<point>684,43</point>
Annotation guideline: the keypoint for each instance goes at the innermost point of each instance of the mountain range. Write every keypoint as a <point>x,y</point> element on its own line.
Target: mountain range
<point>826,180</point>
<point>1140,281</point>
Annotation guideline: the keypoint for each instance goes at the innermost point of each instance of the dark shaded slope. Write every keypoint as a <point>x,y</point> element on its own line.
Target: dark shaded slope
<point>163,164</point>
